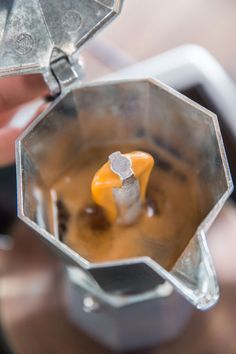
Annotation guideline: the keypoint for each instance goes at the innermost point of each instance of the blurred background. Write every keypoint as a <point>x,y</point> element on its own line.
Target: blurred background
<point>147,28</point>
<point>33,319</point>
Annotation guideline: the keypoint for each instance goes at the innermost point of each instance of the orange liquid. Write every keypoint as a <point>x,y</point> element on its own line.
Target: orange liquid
<point>169,219</point>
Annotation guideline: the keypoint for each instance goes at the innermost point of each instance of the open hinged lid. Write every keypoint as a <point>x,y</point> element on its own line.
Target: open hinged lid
<point>44,36</point>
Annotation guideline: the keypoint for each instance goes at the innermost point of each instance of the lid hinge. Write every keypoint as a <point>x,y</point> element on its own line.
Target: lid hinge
<point>63,74</point>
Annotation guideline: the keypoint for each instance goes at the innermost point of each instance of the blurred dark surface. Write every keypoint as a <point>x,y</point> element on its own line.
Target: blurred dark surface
<point>7,198</point>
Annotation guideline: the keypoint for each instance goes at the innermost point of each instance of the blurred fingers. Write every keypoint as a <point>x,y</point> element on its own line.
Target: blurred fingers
<point>15,91</point>
<point>17,121</point>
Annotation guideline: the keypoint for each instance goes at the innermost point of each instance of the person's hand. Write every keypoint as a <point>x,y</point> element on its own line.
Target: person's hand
<point>14,92</point>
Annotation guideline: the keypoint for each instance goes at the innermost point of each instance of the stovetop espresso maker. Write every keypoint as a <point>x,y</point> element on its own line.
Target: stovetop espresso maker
<point>130,289</point>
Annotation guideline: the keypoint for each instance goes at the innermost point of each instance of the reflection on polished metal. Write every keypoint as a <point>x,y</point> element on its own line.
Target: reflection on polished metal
<point>185,135</point>
<point>127,197</point>
<point>90,304</point>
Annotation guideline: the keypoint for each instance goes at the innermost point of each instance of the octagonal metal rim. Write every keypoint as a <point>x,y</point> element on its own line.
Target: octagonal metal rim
<point>115,300</point>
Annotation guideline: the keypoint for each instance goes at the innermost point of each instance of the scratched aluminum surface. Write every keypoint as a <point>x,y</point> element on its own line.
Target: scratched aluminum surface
<point>34,32</point>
